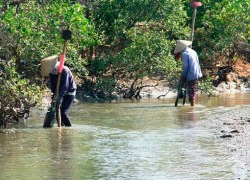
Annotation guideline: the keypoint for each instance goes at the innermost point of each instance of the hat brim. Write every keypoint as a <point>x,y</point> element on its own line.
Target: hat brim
<point>181,45</point>
<point>47,65</point>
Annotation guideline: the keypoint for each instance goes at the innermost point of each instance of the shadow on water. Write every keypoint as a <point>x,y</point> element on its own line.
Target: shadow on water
<point>147,139</point>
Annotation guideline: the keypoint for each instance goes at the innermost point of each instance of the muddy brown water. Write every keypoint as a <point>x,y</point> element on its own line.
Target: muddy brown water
<point>146,139</point>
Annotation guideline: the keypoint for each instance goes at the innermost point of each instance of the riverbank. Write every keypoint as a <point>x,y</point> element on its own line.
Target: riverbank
<point>159,89</point>
<point>235,81</point>
<point>235,85</point>
<point>233,130</point>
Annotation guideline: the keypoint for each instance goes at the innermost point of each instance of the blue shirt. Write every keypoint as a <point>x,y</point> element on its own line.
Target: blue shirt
<point>67,84</point>
<point>191,69</point>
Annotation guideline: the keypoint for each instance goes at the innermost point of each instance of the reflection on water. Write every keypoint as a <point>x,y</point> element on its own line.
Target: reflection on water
<point>147,139</point>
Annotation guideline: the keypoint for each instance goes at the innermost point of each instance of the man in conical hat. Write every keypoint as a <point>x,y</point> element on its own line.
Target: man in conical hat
<point>67,91</point>
<point>191,70</point>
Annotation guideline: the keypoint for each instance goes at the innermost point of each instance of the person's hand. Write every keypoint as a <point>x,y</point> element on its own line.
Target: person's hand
<point>183,79</point>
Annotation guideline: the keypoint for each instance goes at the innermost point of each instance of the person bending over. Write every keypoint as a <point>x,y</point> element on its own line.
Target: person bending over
<point>67,88</point>
<point>191,70</point>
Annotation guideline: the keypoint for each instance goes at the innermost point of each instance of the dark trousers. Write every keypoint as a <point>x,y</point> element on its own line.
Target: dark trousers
<point>67,101</point>
<point>192,89</point>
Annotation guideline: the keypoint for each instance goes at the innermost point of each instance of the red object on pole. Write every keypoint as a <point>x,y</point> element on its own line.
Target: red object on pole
<point>195,4</point>
<point>61,63</point>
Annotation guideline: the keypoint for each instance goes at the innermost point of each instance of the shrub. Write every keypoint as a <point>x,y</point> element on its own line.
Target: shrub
<point>17,96</point>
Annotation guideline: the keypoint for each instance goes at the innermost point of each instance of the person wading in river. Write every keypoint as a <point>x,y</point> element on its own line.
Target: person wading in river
<point>191,70</point>
<point>67,91</point>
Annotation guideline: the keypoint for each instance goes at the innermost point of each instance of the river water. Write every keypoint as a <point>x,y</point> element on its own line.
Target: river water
<point>146,139</point>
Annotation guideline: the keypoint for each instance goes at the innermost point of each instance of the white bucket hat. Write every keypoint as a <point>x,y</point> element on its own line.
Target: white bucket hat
<point>48,64</point>
<point>181,45</point>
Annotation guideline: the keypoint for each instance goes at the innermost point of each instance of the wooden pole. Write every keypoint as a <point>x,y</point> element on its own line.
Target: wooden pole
<point>58,109</point>
<point>195,5</point>
<point>193,23</point>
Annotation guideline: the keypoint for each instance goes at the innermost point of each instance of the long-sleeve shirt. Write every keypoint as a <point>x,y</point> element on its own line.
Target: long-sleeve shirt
<point>67,84</point>
<point>190,65</point>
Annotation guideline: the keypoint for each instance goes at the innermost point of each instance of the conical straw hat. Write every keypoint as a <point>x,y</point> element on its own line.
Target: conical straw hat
<point>47,65</point>
<point>181,45</point>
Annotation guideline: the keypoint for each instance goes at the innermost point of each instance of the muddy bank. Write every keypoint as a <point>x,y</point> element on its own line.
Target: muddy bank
<point>233,124</point>
<point>232,128</point>
<point>160,89</point>
<point>163,91</point>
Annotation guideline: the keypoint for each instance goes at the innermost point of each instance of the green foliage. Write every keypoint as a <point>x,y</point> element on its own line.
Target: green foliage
<point>119,40</point>
<point>31,31</point>
<point>140,36</point>
<point>99,67</point>
<point>17,95</point>
<point>206,86</point>
<point>148,53</point>
<point>115,17</point>
<point>222,25</point>
<point>35,30</point>
<point>105,87</point>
